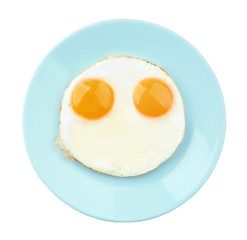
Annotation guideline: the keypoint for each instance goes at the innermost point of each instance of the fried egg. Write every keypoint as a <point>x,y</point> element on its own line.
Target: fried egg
<point>123,116</point>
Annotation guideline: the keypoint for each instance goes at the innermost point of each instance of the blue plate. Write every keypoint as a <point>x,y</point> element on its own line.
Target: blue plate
<point>135,198</point>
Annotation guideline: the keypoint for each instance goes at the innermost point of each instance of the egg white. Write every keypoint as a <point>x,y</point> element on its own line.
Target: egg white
<point>124,142</point>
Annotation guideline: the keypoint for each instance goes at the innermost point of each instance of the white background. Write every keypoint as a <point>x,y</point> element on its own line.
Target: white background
<point>30,29</point>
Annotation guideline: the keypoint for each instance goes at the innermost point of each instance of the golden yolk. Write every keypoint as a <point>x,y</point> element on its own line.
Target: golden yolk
<point>92,98</point>
<point>152,97</point>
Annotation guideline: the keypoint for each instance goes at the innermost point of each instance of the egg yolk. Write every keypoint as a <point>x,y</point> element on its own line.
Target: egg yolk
<point>152,97</point>
<point>92,98</point>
